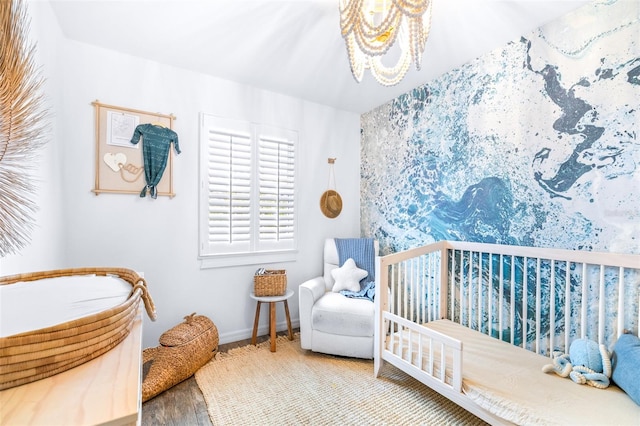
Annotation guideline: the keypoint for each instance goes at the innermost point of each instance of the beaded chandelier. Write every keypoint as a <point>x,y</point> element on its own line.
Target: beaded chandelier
<point>371,27</point>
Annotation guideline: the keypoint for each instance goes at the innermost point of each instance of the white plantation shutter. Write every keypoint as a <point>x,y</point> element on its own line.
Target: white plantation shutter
<point>247,192</point>
<point>276,176</point>
<point>229,180</point>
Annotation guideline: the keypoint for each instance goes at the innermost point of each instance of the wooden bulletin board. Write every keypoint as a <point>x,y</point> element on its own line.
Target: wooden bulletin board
<point>119,164</point>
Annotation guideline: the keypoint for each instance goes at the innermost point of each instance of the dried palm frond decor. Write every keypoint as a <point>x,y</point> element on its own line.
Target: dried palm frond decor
<point>22,127</point>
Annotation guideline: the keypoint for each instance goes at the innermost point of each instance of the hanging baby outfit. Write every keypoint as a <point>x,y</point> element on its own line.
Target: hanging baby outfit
<point>155,153</point>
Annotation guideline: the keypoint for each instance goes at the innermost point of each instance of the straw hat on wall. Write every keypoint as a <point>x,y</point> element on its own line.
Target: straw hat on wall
<point>331,203</point>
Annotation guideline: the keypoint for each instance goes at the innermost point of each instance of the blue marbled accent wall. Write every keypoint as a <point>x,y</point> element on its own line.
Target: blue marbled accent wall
<point>536,144</point>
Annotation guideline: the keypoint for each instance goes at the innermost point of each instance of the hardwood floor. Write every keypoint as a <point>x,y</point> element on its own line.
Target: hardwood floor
<point>181,405</point>
<point>184,404</point>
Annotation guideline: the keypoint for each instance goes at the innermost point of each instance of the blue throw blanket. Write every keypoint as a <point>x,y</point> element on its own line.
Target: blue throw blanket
<point>368,292</point>
<point>362,251</point>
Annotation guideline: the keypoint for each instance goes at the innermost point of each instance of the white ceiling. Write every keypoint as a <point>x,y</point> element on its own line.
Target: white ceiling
<point>293,47</point>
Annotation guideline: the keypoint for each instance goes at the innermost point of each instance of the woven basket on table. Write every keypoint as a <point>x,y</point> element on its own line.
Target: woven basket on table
<point>273,282</point>
<point>37,354</point>
<point>183,350</point>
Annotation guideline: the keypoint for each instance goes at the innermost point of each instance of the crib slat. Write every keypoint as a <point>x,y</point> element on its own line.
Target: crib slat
<point>422,296</point>
<point>398,279</point>
<point>552,306</point>
<point>601,306</point>
<point>433,273</point>
<point>567,306</point>
<point>452,287</point>
<point>490,296</point>
<point>420,343</point>
<point>405,292</point>
<point>419,289</point>
<point>538,313</point>
<point>461,281</point>
<point>399,289</point>
<point>431,356</point>
<point>512,301</point>
<point>436,282</point>
<point>410,293</point>
<point>469,291</point>
<point>400,286</point>
<point>441,257</point>
<point>501,298</point>
<point>583,316</point>
<point>412,285</point>
<point>480,285</point>
<point>422,290</point>
<point>620,301</point>
<point>429,288</point>
<point>410,350</point>
<point>392,288</point>
<point>457,372</point>
<point>392,337</point>
<point>426,297</point>
<point>418,277</point>
<point>443,362</point>
<point>404,289</point>
<point>433,296</point>
<point>525,300</point>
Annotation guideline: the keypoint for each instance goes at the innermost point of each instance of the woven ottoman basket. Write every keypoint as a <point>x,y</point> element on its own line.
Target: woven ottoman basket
<point>183,350</point>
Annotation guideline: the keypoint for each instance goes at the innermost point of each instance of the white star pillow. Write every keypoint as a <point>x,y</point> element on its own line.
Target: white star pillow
<point>348,276</point>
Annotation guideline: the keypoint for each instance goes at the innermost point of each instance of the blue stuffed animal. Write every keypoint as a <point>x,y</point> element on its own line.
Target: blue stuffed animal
<point>586,363</point>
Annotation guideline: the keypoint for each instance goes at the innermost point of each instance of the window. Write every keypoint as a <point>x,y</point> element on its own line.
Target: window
<point>247,191</point>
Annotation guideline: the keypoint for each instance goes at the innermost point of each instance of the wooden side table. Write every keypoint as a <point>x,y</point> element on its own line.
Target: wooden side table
<point>271,300</point>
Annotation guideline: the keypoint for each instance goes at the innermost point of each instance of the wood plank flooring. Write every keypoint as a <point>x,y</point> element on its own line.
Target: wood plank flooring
<point>184,404</point>
<point>181,405</point>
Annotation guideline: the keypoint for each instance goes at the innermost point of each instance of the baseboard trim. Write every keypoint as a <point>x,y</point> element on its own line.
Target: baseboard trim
<point>235,336</point>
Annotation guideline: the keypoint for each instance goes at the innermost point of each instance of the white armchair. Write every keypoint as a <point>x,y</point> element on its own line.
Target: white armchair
<point>330,322</point>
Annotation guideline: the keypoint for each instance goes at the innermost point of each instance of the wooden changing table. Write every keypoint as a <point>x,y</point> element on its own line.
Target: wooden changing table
<point>103,391</point>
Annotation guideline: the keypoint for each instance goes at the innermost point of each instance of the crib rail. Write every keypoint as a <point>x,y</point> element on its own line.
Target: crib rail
<point>539,299</point>
<point>433,357</point>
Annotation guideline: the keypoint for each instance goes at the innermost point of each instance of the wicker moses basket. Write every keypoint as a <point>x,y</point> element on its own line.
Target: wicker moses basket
<point>183,350</point>
<point>37,354</point>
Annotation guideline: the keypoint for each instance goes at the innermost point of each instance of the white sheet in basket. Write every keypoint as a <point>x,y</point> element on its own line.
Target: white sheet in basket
<point>27,306</point>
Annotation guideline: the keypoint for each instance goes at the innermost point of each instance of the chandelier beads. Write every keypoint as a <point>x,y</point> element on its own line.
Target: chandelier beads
<point>371,27</point>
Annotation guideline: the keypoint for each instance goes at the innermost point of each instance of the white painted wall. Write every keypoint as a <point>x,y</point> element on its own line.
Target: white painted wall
<point>159,237</point>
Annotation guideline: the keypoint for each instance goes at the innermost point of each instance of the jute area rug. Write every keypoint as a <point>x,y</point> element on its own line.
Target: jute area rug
<point>252,386</point>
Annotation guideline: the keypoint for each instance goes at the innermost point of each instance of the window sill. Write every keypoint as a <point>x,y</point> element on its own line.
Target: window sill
<point>243,259</point>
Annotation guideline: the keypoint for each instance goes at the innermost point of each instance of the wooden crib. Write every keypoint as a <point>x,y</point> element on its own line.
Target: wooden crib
<point>476,323</point>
